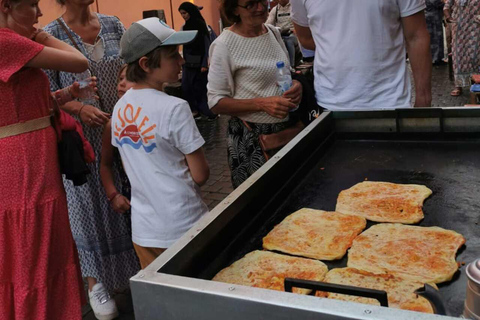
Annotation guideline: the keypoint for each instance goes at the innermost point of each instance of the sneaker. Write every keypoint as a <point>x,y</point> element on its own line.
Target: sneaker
<point>102,305</point>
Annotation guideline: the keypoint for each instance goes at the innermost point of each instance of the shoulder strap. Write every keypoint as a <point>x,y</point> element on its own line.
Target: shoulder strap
<point>276,15</point>
<point>69,34</point>
<point>277,36</point>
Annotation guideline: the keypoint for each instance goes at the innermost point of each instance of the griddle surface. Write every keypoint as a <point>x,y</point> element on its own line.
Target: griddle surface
<point>450,169</point>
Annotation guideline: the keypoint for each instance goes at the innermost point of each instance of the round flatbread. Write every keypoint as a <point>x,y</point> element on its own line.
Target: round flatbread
<point>426,254</point>
<point>384,201</point>
<point>315,234</point>
<point>263,269</point>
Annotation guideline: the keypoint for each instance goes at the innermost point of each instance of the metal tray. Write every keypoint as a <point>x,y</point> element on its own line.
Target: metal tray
<point>439,148</point>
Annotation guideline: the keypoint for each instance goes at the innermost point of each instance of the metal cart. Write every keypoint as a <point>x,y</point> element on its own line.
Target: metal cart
<point>439,148</point>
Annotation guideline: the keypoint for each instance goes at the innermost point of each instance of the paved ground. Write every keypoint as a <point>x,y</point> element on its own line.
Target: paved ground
<point>214,132</point>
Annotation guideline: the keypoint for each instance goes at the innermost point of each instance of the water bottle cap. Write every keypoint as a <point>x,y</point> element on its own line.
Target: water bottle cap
<point>280,64</point>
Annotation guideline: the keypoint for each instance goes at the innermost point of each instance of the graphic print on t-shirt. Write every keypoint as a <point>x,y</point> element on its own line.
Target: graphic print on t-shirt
<point>134,129</point>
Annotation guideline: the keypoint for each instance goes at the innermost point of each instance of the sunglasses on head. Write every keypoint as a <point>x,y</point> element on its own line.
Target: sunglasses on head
<point>251,5</point>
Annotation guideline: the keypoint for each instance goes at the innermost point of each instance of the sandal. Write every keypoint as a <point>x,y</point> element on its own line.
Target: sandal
<point>456,92</point>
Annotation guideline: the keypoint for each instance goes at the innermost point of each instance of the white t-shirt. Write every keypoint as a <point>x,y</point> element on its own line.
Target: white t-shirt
<point>360,51</point>
<point>153,132</point>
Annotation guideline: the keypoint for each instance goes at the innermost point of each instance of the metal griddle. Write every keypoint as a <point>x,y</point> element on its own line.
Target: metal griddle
<point>437,148</point>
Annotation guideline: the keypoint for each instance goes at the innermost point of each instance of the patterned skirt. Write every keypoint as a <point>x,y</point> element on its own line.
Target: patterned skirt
<point>435,28</point>
<point>245,155</point>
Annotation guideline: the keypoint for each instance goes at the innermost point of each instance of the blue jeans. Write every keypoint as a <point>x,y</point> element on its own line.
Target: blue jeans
<point>290,42</point>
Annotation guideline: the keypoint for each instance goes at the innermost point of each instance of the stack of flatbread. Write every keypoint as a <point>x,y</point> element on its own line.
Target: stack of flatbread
<point>391,256</point>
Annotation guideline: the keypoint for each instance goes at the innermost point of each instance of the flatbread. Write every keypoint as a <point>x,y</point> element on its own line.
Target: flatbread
<point>427,254</point>
<point>315,234</point>
<point>263,269</point>
<point>400,291</point>
<point>384,202</point>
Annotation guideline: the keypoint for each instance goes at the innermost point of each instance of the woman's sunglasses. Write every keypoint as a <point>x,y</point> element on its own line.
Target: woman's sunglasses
<point>252,5</point>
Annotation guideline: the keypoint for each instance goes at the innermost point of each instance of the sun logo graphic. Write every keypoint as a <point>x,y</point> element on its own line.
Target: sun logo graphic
<point>128,132</point>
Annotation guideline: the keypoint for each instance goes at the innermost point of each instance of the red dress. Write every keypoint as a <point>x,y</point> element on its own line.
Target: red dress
<point>39,269</point>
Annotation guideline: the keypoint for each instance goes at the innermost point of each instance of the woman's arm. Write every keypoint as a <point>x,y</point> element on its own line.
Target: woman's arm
<point>119,202</point>
<point>57,55</point>
<point>73,91</point>
<point>277,107</point>
<point>91,116</point>
<point>198,166</point>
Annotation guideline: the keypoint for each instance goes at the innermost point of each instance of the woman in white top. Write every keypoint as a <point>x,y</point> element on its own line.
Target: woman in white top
<point>242,84</point>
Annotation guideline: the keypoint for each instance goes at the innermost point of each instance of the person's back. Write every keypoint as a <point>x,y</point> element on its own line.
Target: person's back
<point>360,51</point>
<point>158,141</point>
<point>153,132</point>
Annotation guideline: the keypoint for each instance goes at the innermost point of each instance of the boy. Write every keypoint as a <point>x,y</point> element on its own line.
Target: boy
<point>158,140</point>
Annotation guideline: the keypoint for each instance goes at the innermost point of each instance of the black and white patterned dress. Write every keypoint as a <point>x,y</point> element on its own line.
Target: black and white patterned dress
<point>103,237</point>
<point>434,17</point>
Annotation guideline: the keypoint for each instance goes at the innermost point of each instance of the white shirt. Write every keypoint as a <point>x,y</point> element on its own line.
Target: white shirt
<point>360,51</point>
<point>153,132</point>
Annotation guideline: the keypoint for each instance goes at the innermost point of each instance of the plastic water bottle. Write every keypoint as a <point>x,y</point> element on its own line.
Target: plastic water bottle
<point>86,94</point>
<point>284,79</point>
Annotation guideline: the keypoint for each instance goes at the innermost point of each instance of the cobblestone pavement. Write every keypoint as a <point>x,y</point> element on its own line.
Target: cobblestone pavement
<point>441,87</point>
<point>214,133</point>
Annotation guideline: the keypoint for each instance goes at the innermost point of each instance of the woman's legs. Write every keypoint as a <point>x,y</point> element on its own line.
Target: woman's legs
<point>188,85</point>
<point>91,282</point>
<point>200,93</point>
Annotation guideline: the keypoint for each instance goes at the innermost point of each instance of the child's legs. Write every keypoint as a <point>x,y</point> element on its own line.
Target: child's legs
<point>147,255</point>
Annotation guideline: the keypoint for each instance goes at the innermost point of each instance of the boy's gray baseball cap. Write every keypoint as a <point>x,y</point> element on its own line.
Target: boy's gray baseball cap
<point>148,34</point>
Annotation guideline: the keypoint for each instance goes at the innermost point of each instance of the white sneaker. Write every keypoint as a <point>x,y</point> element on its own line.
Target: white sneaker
<point>102,304</point>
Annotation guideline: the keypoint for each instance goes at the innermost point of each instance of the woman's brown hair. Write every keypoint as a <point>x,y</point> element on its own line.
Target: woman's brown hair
<point>228,8</point>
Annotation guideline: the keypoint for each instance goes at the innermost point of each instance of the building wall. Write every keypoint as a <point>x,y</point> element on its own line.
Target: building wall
<point>131,11</point>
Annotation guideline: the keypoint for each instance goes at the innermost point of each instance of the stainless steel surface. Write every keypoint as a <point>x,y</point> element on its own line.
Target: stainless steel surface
<point>177,285</point>
<point>472,301</point>
<point>473,273</point>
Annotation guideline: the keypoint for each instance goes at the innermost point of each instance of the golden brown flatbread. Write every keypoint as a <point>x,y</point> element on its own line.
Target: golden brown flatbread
<point>315,234</point>
<point>384,202</point>
<point>427,254</point>
<point>263,269</point>
<point>400,291</point>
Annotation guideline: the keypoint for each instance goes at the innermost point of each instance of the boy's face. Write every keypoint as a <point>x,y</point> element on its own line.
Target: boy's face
<point>170,66</point>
